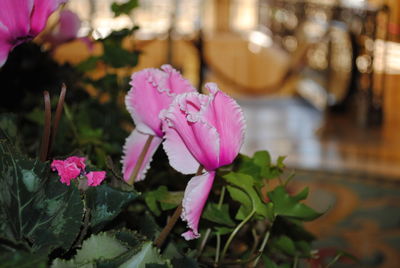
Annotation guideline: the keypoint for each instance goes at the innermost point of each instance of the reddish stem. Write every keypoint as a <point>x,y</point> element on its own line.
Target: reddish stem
<point>47,127</point>
<point>140,161</point>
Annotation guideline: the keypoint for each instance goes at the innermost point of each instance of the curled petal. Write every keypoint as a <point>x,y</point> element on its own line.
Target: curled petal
<point>194,199</point>
<point>144,101</point>
<point>180,158</point>
<point>79,161</point>
<point>41,12</point>
<point>133,147</point>
<point>200,138</point>
<point>227,117</point>
<point>174,81</point>
<point>94,178</point>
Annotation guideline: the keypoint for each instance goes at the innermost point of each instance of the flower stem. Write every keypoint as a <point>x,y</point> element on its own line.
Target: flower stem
<point>140,160</point>
<point>233,234</point>
<point>59,110</point>
<point>263,244</point>
<point>218,246</point>
<point>47,127</point>
<point>171,223</point>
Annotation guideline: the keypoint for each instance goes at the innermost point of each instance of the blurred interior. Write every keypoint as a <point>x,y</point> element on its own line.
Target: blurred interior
<point>318,80</point>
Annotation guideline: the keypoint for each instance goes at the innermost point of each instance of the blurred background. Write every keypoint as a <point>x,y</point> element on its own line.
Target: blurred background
<point>319,82</point>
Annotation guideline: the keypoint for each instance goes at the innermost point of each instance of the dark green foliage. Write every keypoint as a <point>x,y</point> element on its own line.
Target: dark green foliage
<point>35,207</point>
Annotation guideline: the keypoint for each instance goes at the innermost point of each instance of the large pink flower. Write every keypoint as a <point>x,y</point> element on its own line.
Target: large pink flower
<point>205,130</point>
<point>152,91</point>
<point>21,21</point>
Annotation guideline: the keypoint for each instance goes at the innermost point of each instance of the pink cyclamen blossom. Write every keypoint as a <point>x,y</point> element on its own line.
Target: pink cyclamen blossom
<point>21,21</point>
<point>66,29</point>
<point>73,167</point>
<point>94,178</point>
<point>152,91</point>
<point>205,130</point>
<point>69,169</point>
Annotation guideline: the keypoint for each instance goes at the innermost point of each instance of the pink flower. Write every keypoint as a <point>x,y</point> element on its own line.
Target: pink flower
<point>94,178</point>
<point>66,29</point>
<point>21,21</point>
<point>152,91</point>
<point>205,130</point>
<point>69,169</point>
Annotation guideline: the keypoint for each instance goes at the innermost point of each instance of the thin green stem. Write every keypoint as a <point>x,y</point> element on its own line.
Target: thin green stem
<point>218,246</point>
<point>47,127</point>
<point>334,260</point>
<point>263,244</point>
<point>296,261</point>
<point>237,229</point>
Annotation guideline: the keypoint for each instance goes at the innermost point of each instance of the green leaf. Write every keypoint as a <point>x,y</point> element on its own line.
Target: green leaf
<point>8,127</point>
<point>106,203</point>
<point>118,57</point>
<point>246,182</point>
<point>34,207</point>
<point>262,158</point>
<point>22,259</point>
<point>279,162</point>
<point>100,246</point>
<point>288,206</point>
<point>124,8</point>
<point>185,262</point>
<point>241,197</point>
<point>302,195</point>
<point>88,64</point>
<point>304,247</point>
<point>147,255</point>
<point>103,246</point>
<point>168,200</point>
<point>218,215</point>
<point>285,244</point>
<point>268,262</point>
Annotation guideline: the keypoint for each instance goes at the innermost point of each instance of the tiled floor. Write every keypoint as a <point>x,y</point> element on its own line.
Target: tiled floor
<point>315,140</point>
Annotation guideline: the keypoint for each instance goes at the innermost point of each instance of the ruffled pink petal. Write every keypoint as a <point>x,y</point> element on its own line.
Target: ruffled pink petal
<point>79,161</point>
<point>200,138</point>
<point>95,177</point>
<point>145,100</point>
<point>227,117</point>
<point>175,81</point>
<point>178,154</point>
<point>194,199</point>
<point>15,17</point>
<point>66,170</point>
<point>132,149</point>
<point>41,12</point>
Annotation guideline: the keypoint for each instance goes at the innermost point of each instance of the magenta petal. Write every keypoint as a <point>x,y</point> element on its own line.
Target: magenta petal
<point>132,149</point>
<point>78,161</point>
<point>227,116</point>
<point>41,12</point>
<point>66,30</point>
<point>194,199</point>
<point>66,170</point>
<point>95,177</point>
<point>178,154</point>
<point>200,138</point>
<point>145,100</point>
<point>15,17</point>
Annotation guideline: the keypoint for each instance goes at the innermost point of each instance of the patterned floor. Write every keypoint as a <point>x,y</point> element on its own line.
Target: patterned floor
<point>363,216</point>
